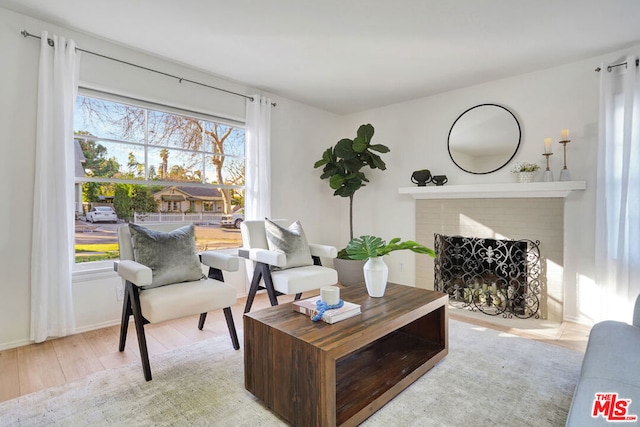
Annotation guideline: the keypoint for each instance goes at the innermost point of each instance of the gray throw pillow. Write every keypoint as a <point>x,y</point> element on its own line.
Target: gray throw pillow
<point>171,256</point>
<point>291,241</point>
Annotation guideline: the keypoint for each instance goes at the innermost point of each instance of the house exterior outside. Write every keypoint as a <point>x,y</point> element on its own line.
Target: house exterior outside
<point>189,199</point>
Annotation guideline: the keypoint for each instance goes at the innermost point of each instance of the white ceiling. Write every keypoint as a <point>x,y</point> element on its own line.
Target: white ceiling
<point>351,55</point>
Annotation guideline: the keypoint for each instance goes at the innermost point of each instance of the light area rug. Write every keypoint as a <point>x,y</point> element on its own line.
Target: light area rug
<point>489,378</point>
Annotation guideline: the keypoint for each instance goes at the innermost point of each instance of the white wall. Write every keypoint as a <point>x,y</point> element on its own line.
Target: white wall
<point>544,103</point>
<point>299,135</point>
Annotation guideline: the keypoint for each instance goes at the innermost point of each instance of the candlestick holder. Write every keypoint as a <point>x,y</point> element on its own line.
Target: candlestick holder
<point>548,175</point>
<point>565,175</point>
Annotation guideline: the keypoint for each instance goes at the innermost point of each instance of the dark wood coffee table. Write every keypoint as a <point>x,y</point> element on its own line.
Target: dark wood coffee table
<point>317,374</point>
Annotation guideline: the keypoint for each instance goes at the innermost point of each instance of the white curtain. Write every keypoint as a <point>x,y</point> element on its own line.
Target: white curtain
<point>257,193</point>
<point>618,188</point>
<point>52,254</point>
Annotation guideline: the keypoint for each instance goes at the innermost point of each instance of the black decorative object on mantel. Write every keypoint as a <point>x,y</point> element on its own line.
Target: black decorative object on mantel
<point>421,177</point>
<point>495,277</point>
<point>439,180</point>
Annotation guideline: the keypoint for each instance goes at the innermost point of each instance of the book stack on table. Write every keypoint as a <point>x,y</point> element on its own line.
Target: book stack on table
<point>308,307</point>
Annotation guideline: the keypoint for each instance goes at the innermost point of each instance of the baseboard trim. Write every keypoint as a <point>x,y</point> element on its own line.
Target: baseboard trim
<point>578,320</point>
<point>86,328</point>
<point>14,344</point>
<point>95,326</point>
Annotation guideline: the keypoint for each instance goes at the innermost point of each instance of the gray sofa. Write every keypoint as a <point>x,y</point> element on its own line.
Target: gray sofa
<point>611,365</point>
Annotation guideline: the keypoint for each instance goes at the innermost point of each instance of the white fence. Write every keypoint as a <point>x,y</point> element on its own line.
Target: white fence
<point>197,218</point>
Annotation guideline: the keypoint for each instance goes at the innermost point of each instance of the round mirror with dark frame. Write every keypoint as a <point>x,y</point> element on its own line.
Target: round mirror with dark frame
<point>484,139</point>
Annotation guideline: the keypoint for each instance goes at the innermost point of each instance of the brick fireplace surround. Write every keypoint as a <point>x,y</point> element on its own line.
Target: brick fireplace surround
<point>535,213</point>
<point>533,219</point>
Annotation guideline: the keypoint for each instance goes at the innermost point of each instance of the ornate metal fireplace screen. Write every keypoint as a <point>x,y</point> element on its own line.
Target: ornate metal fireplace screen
<point>492,276</point>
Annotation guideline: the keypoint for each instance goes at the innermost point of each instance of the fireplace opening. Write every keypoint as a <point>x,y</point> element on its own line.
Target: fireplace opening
<point>493,276</point>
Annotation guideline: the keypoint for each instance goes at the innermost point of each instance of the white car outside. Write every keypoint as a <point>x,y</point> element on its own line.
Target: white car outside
<point>102,214</point>
<point>233,220</point>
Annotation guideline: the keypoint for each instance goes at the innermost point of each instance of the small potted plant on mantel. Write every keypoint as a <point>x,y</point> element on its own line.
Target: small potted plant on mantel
<point>372,249</point>
<point>525,171</point>
<point>342,166</point>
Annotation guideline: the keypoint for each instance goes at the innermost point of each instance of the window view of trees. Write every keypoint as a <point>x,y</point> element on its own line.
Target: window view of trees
<point>152,165</point>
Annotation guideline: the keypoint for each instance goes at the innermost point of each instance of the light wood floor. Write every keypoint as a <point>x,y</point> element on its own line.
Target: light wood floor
<point>33,367</point>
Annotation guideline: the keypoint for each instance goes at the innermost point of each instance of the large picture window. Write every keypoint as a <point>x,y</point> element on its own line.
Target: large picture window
<point>140,162</point>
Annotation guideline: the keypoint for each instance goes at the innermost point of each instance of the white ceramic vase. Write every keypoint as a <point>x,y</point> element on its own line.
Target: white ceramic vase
<point>375,276</point>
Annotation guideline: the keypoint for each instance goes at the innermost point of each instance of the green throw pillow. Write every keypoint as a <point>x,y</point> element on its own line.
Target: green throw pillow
<point>291,241</point>
<point>171,256</point>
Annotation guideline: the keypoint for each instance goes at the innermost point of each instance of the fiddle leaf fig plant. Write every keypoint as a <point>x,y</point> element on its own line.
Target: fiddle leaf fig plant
<point>342,166</point>
<point>366,247</point>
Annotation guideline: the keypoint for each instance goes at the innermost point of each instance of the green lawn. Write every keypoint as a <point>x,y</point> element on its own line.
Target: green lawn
<point>98,247</point>
<point>97,252</point>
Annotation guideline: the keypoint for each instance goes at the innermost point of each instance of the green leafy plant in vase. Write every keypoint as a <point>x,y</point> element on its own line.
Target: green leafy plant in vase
<point>372,249</point>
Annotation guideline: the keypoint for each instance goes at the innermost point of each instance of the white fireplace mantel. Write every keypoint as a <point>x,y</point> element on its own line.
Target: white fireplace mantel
<point>496,191</point>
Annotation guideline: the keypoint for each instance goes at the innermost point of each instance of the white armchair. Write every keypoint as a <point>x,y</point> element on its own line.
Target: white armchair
<point>163,280</point>
<point>272,269</point>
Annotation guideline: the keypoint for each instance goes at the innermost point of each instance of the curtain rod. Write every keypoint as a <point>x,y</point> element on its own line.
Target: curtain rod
<point>26,34</point>
<point>611,67</point>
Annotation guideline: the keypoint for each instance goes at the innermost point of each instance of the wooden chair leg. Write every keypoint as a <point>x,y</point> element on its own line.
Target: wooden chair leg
<point>255,284</point>
<point>268,283</point>
<point>126,312</point>
<point>232,327</point>
<point>142,341</point>
<point>203,317</point>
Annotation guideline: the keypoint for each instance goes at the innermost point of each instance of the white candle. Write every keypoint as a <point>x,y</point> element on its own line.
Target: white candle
<point>564,134</point>
<point>547,146</point>
<point>330,295</point>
